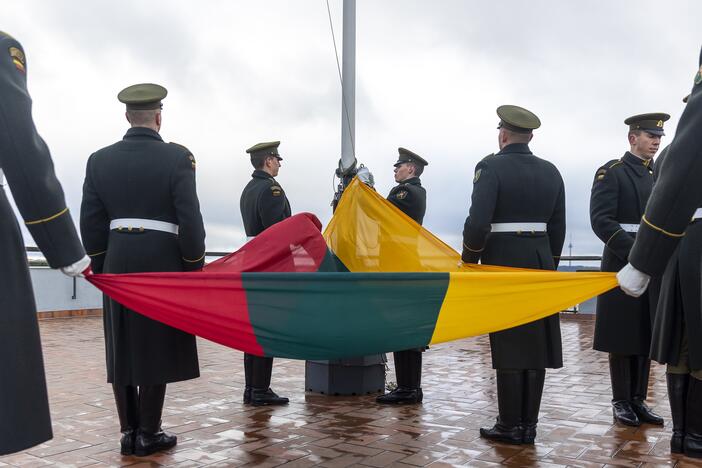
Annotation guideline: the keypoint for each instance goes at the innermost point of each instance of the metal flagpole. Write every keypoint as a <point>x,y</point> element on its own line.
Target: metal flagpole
<point>363,374</point>
<point>348,88</point>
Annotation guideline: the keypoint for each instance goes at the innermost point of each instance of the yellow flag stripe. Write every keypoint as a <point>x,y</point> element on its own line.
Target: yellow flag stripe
<point>479,303</point>
<point>369,234</point>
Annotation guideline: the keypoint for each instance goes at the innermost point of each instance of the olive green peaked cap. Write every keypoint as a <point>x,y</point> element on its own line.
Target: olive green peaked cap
<point>143,96</point>
<point>650,123</point>
<point>517,119</point>
<point>268,148</point>
<point>407,156</point>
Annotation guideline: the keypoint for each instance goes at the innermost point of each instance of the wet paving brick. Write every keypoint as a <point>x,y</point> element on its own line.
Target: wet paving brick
<point>216,430</point>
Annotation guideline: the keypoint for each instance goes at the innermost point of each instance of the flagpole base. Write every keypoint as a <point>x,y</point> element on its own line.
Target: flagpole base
<point>352,376</point>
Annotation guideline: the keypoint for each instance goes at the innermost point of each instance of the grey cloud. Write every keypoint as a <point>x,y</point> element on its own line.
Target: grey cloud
<point>430,75</point>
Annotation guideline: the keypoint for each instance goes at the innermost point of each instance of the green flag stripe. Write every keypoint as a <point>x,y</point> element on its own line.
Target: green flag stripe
<point>337,315</point>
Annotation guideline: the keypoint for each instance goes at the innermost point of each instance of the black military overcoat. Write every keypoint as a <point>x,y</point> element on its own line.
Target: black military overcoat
<point>29,173</point>
<point>411,198</point>
<point>619,194</point>
<point>143,177</point>
<point>680,306</point>
<point>516,186</point>
<point>677,193</point>
<point>263,203</point>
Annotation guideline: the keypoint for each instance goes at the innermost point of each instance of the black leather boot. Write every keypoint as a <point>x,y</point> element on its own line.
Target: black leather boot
<point>677,396</point>
<point>692,446</point>
<point>620,373</point>
<point>533,389</point>
<point>261,393</point>
<point>508,428</point>
<point>150,438</point>
<point>641,367</point>
<point>127,401</point>
<point>248,358</point>
<point>408,370</point>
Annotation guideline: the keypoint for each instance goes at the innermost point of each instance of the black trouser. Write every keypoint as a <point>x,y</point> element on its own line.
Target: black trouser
<point>139,407</point>
<point>258,371</point>
<point>408,368</point>
<point>629,376</point>
<point>519,396</point>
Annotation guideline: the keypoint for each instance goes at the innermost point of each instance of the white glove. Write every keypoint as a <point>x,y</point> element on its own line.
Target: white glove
<point>632,281</point>
<point>77,268</point>
<point>365,176</point>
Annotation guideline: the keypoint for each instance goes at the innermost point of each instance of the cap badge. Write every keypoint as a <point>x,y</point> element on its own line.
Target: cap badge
<point>659,124</point>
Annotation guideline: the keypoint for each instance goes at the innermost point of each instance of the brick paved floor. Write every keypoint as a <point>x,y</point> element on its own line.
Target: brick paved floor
<point>216,429</point>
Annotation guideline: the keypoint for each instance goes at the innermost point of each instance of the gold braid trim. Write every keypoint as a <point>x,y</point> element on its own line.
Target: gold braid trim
<point>612,236</point>
<point>194,261</point>
<point>96,254</point>
<point>656,228</point>
<point>476,251</point>
<point>39,221</point>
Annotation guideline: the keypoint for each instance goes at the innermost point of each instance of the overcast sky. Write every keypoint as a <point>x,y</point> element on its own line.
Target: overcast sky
<point>429,77</point>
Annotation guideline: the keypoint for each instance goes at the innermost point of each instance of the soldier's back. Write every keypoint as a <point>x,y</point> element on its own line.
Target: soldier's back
<point>529,188</point>
<point>133,178</point>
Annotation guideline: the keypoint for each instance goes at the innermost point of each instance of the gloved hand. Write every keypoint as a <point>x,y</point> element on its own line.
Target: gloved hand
<point>632,281</point>
<point>78,268</point>
<point>365,176</point>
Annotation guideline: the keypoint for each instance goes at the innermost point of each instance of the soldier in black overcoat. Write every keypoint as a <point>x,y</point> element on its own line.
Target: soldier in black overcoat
<point>263,203</point>
<point>670,218</point>
<point>678,322</point>
<point>411,198</point>
<point>140,213</point>
<point>517,218</point>
<point>619,194</point>
<point>26,164</point>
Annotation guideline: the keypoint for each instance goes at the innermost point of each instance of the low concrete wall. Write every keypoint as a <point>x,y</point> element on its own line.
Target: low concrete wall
<point>54,291</point>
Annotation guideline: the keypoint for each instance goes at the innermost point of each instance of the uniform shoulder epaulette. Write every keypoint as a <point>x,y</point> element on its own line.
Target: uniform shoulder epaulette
<point>178,145</point>
<point>487,158</point>
<point>186,151</point>
<point>599,175</point>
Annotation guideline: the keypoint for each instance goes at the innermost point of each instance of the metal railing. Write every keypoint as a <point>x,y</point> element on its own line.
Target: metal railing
<point>566,258</point>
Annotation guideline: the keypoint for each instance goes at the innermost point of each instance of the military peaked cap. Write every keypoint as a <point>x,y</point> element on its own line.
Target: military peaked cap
<point>517,119</point>
<point>407,156</point>
<point>144,96</point>
<point>650,123</point>
<point>269,148</point>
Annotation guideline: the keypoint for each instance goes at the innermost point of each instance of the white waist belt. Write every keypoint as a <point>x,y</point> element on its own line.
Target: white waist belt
<point>140,224</point>
<point>697,215</point>
<point>630,227</point>
<point>2,177</point>
<point>518,227</point>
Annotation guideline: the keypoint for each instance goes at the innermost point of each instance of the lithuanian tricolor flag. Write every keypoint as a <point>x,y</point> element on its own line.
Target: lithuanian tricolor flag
<point>374,282</point>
